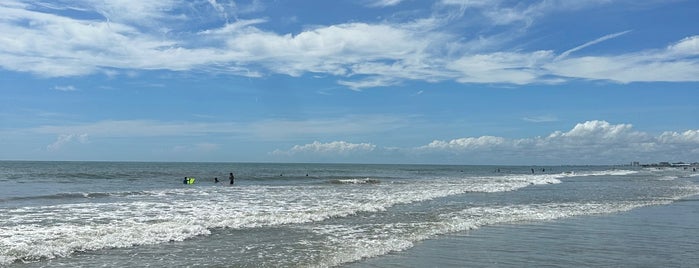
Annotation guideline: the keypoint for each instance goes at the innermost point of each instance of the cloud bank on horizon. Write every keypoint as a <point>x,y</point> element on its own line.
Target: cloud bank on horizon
<point>590,142</point>
<point>587,142</point>
<point>445,81</point>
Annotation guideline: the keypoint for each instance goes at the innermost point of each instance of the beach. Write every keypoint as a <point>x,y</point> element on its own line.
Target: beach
<point>139,214</point>
<point>658,236</point>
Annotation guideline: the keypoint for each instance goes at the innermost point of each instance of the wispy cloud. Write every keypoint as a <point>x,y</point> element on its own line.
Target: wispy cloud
<point>271,129</point>
<point>123,36</point>
<point>501,12</point>
<point>65,88</point>
<point>383,3</point>
<point>598,40</point>
<point>220,8</point>
<point>370,82</point>
<point>676,63</point>
<point>64,139</point>
<point>540,119</point>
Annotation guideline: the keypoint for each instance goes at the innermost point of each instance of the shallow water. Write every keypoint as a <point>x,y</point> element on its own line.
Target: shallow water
<point>655,236</point>
<point>318,215</point>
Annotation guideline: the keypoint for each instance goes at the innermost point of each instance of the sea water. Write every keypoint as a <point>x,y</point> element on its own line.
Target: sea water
<point>124,214</point>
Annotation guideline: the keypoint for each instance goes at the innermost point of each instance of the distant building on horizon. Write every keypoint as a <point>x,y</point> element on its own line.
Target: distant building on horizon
<point>667,164</point>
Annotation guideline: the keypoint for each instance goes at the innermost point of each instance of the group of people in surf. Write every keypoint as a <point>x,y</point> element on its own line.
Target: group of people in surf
<point>190,180</point>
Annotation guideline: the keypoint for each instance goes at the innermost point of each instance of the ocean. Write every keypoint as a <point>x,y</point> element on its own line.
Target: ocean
<point>133,214</point>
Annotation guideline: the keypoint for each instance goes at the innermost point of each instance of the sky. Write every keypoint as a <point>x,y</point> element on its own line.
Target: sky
<point>541,82</point>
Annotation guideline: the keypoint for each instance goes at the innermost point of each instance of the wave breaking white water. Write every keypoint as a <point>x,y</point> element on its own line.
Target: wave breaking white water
<point>356,243</point>
<point>44,232</point>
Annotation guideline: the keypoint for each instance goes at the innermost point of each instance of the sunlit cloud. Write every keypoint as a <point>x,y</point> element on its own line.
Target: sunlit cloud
<point>333,148</point>
<point>123,36</point>
<point>585,142</point>
<point>471,143</point>
<point>593,141</point>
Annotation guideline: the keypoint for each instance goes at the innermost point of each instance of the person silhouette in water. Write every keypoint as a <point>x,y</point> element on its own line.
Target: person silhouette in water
<point>232,178</point>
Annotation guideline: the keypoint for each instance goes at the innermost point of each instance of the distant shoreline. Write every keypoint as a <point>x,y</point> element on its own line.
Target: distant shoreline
<point>667,164</point>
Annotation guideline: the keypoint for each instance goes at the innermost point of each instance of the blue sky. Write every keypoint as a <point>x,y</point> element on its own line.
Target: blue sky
<point>449,81</point>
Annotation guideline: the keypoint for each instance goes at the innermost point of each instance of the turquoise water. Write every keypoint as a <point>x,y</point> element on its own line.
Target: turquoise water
<point>318,215</point>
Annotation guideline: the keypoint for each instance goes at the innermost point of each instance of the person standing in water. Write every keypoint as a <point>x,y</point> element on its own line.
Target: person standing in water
<point>232,178</point>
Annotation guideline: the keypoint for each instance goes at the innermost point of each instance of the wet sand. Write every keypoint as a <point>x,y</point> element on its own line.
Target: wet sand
<point>656,236</point>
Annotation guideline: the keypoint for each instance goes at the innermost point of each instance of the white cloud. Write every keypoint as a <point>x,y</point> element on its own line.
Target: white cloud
<point>540,119</point>
<point>64,139</point>
<point>370,82</point>
<point>676,63</point>
<point>54,45</point>
<point>65,88</point>
<point>591,142</point>
<point>687,137</point>
<point>514,68</point>
<point>333,49</point>
<point>471,3</point>
<point>332,148</point>
<point>220,8</point>
<point>384,3</point>
<point>501,12</point>
<point>594,142</point>
<point>685,47</point>
<point>598,132</point>
<point>134,12</point>
<point>483,142</point>
<point>598,40</point>
<point>122,36</point>
<point>588,142</point>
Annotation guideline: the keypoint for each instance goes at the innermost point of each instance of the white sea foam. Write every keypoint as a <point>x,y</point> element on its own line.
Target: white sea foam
<point>358,242</point>
<point>356,181</point>
<point>34,233</point>
<point>615,172</point>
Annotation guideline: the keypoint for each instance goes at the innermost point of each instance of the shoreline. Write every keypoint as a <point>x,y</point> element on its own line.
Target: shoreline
<point>653,236</point>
